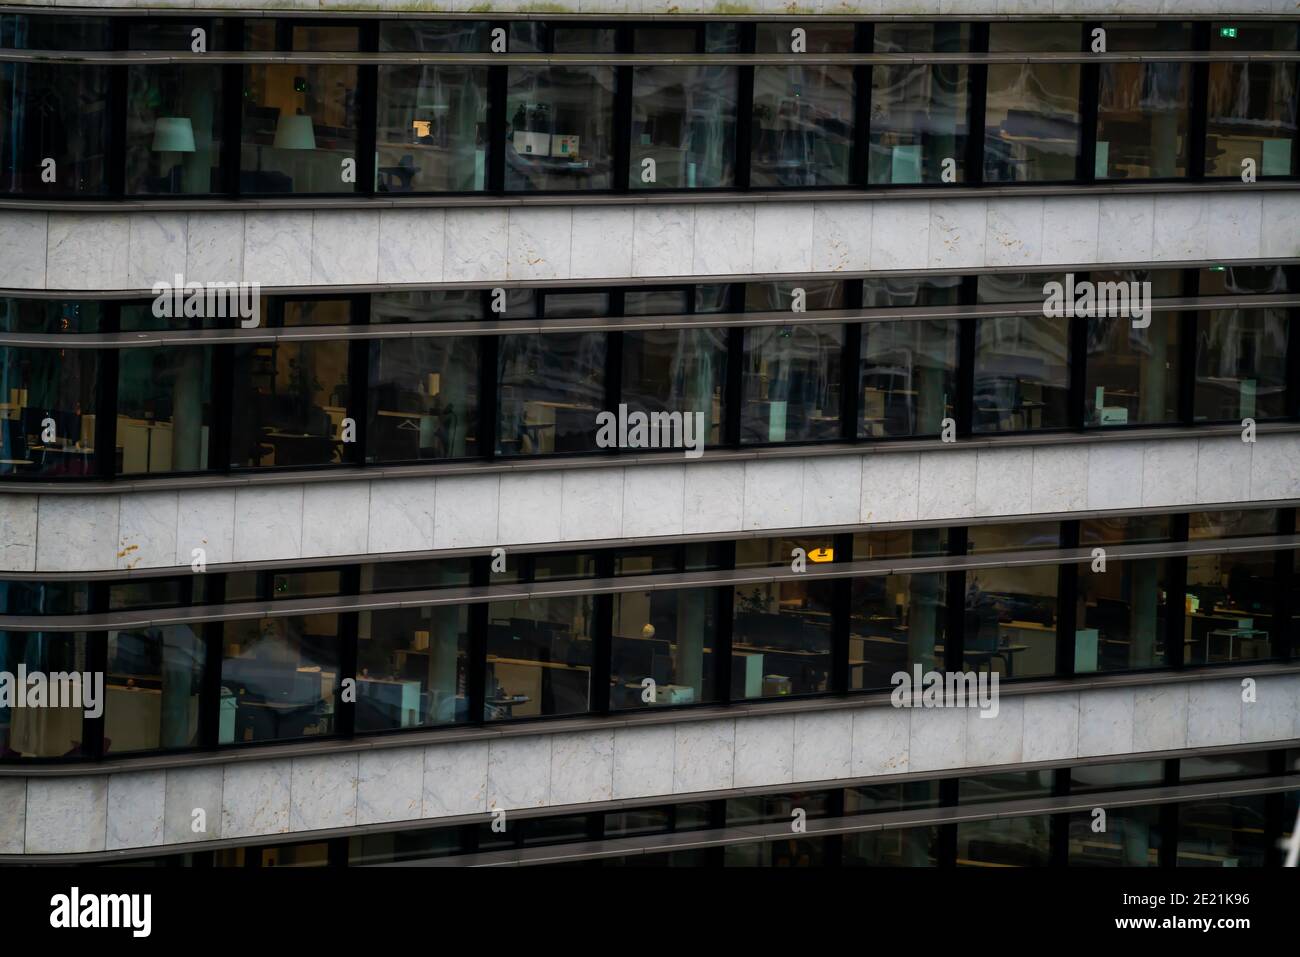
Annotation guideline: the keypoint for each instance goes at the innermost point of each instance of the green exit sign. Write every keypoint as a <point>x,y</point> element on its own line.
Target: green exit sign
<point>1229,33</point>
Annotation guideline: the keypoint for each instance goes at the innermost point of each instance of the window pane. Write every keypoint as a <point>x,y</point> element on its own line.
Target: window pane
<point>1251,115</point>
<point>791,383</point>
<point>896,622</point>
<point>782,639</point>
<point>918,120</point>
<point>47,426</point>
<point>59,113</point>
<point>294,397</point>
<point>432,129</point>
<point>1031,122</point>
<point>684,119</point>
<point>49,316</point>
<point>1240,365</point>
<point>802,125</point>
<point>1011,620</point>
<point>539,655</point>
<point>1226,832</point>
<point>423,399</point>
<point>560,135</point>
<point>677,370</point>
<point>155,677</point>
<point>299,126</point>
<point>1131,839</point>
<point>1120,618</point>
<point>1132,373</point>
<point>1142,120</point>
<point>1007,842</point>
<point>42,732</point>
<point>1243,523</point>
<point>551,388</point>
<point>452,305</point>
<point>173,130</point>
<point>278,678</point>
<point>908,375</point>
<point>164,409</point>
<point>411,667</point>
<point>666,636</point>
<point>894,847</point>
<point>1229,608</point>
<point>1022,375</point>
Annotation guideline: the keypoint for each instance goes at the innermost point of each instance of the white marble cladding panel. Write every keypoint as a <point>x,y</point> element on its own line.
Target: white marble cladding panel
<point>669,7</point>
<point>142,529</point>
<point>87,250</point>
<point>569,768</point>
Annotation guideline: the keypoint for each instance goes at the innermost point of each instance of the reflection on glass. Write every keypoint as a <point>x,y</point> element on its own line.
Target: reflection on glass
<point>1224,832</point>
<point>1011,620</point>
<point>59,113</point>
<point>1120,618</point>
<point>411,667</point>
<point>894,847</point>
<point>279,677</point>
<point>423,399</point>
<point>677,370</point>
<point>164,409</point>
<point>294,397</point>
<point>1132,373</point>
<point>539,655</point>
<point>1251,114</point>
<point>432,129</point>
<point>895,623</point>
<point>155,677</point>
<point>1022,374</point>
<point>1031,122</point>
<point>551,388</point>
<point>1131,838</point>
<point>173,130</point>
<point>667,637</point>
<point>47,411</point>
<point>41,732</point>
<point>1240,364</point>
<point>908,375</point>
<point>561,127</point>
<point>1142,108</point>
<point>791,383</point>
<point>684,121</point>
<point>1006,842</point>
<point>1229,608</point>
<point>299,128</point>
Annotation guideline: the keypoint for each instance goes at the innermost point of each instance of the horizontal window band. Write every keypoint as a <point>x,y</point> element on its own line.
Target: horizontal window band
<point>532,326</point>
<point>423,58</point>
<point>550,463</point>
<point>672,581</point>
<point>724,195</point>
<point>655,282</point>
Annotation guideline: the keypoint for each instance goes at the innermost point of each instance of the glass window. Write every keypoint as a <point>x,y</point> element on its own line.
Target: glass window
<point>1142,108</point>
<point>1246,280</point>
<point>1124,530</point>
<point>424,400</point>
<point>551,387</point>
<point>43,732</point>
<point>1091,778</point>
<point>791,383</point>
<point>1003,786</point>
<point>299,128</point>
<point>907,543</point>
<point>294,397</point>
<point>47,411</point>
<point>1229,608</point>
<point>54,129</point>
<point>173,130</point>
<point>1224,767</point>
<point>44,598</point>
<point>414,575</point>
<point>20,31</point>
<point>539,655</point>
<point>49,316</point>
<point>894,847</point>
<point>684,121</point>
<point>1132,373</point>
<point>1013,537</point>
<point>666,637</point>
<point>1223,832</point>
<point>1011,620</point>
<point>164,409</point>
<point>560,134</point>
<point>279,677</point>
<point>1131,838</point>
<point>918,111</point>
<point>411,667</point>
<point>1005,842</point>
<point>427,305</point>
<point>677,370</point>
<point>1022,374</point>
<point>896,622</point>
<point>155,677</point>
<point>884,292</point>
<point>1236,523</point>
<point>1031,121</point>
<point>432,129</point>
<point>803,115</point>
<point>435,36</point>
<point>1251,114</point>
<point>1240,364</point>
<point>908,375</point>
<point>1120,618</point>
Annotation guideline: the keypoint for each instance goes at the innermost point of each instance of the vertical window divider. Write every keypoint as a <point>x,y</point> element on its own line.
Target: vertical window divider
<point>1187,351</point>
<point>106,397</point>
<point>498,83</point>
<point>1176,602</point>
<point>92,729</point>
<point>977,85</point>
<point>955,633</point>
<point>350,584</point>
<point>488,359</point>
<point>476,670</point>
<point>1067,592</point>
<point>623,79</point>
<point>1168,853</point>
<point>1077,363</point>
<point>359,383</point>
<point>735,387</point>
<point>1198,120</point>
<point>367,111</point>
<point>964,400</point>
<point>745,107</point>
<point>232,110</point>
<point>210,692</point>
<point>613,370</point>
<point>602,637</point>
<point>851,366</point>
<point>115,147</point>
<point>841,610</point>
<point>1089,89</point>
<point>726,605</point>
<point>864,41</point>
<point>1293,351</point>
<point>1284,585</point>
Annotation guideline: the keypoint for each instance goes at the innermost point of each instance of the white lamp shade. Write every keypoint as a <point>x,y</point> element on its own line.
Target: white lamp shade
<point>294,133</point>
<point>173,134</point>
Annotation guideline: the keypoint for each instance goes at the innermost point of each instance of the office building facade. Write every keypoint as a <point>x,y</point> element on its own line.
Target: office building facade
<point>495,437</point>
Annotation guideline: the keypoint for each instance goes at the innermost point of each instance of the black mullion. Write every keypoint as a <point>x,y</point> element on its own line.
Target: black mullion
<point>92,729</point>
<point>106,400</point>
<point>489,350</point>
<point>977,86</point>
<point>498,82</point>
<point>1168,853</point>
<point>346,711</point>
<point>602,638</point>
<point>1284,583</point>
<point>1187,322</point>
<point>841,610</point>
<point>735,385</point>
<point>1067,591</point>
<point>476,670</point>
<point>210,692</point>
<point>232,109</point>
<point>1176,605</point>
<point>1089,86</point>
<point>964,401</point>
<point>115,146</point>
<point>1293,360</point>
<point>725,597</point>
<point>744,108</point>
<point>947,850</point>
<point>623,79</point>
<point>1198,117</point>
<point>367,111</point>
<point>359,384</point>
<point>1077,363</point>
<point>613,369</point>
<point>864,40</point>
<point>851,367</point>
<point>954,640</point>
